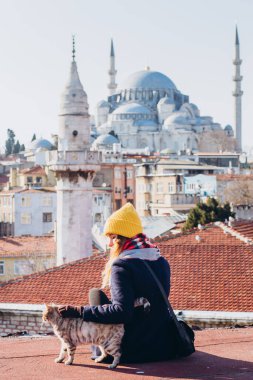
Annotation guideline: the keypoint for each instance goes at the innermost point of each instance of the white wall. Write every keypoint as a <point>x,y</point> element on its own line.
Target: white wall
<point>29,209</point>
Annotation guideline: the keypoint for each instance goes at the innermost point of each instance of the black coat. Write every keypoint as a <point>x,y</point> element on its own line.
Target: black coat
<point>148,337</point>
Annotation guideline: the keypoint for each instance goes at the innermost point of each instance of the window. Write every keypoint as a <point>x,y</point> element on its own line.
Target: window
<point>29,180</point>
<point>170,187</point>
<point>47,217</point>
<point>118,203</point>
<point>39,180</point>
<point>129,173</point>
<point>47,200</point>
<point>26,218</point>
<point>26,201</point>
<point>117,173</point>
<point>98,218</point>
<point>1,268</point>
<point>22,267</point>
<point>159,187</point>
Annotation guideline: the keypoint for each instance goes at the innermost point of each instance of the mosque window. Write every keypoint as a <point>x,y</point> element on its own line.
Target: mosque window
<point>74,95</point>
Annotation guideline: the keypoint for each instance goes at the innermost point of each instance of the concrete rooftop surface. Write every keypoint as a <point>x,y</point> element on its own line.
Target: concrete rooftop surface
<point>220,354</point>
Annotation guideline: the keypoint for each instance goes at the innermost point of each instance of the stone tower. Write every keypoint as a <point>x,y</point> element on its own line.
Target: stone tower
<point>75,167</point>
<point>112,72</point>
<point>237,93</point>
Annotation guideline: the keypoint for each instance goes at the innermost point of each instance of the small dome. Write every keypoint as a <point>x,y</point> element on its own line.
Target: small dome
<point>190,109</point>
<point>176,118</point>
<point>229,131</point>
<point>146,79</point>
<point>165,100</point>
<point>40,143</point>
<point>132,108</point>
<point>103,104</point>
<point>40,149</point>
<point>106,139</point>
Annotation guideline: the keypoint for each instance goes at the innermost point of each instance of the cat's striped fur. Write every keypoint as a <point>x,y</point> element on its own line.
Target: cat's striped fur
<point>74,331</point>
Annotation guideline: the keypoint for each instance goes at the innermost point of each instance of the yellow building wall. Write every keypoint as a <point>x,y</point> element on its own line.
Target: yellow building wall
<point>35,263</point>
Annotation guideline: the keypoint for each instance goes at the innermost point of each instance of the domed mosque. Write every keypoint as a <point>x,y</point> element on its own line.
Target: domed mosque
<point>149,111</point>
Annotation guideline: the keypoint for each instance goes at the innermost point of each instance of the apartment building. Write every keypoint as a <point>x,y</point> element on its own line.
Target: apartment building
<point>160,186</point>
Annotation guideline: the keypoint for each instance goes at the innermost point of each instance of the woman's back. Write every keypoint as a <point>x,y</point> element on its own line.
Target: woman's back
<point>148,337</point>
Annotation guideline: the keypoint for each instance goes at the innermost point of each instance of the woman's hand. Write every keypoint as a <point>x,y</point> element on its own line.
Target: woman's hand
<point>69,311</point>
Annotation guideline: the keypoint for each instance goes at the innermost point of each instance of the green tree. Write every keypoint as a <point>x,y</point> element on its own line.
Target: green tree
<point>16,147</point>
<point>22,148</point>
<point>34,137</point>
<point>10,142</point>
<point>211,211</point>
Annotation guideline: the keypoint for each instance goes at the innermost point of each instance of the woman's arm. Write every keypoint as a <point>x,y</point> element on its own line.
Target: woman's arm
<point>122,307</point>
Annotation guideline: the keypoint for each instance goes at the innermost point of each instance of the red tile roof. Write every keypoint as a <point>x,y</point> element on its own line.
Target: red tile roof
<point>34,170</point>
<point>245,228</point>
<point>215,273</point>
<point>27,245</point>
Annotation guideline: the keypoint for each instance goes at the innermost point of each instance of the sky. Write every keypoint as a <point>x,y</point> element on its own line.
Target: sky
<point>190,41</point>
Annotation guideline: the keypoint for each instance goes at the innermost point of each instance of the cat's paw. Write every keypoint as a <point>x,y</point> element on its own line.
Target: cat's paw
<point>112,366</point>
<point>69,362</point>
<point>58,360</point>
<point>100,359</point>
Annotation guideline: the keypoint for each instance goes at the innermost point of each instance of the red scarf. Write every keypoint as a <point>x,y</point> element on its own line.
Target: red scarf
<point>137,242</point>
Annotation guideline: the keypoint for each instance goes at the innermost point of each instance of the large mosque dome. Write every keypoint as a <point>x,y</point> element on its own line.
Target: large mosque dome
<point>148,80</point>
<point>131,108</point>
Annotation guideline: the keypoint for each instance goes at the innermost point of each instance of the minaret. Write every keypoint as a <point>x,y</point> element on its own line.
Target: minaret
<point>112,72</point>
<point>238,94</point>
<point>75,167</point>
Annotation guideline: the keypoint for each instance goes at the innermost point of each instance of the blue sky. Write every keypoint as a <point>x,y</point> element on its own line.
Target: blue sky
<point>191,41</point>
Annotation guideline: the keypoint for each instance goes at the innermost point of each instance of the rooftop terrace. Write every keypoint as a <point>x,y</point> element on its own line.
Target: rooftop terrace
<point>221,354</point>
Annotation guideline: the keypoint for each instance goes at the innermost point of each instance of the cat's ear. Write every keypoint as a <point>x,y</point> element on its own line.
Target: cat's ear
<point>46,306</point>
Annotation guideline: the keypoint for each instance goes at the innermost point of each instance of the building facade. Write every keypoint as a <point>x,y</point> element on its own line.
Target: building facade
<point>160,186</point>
<point>29,211</point>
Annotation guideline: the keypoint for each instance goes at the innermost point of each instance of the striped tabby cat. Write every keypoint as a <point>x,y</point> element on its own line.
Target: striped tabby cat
<point>74,331</point>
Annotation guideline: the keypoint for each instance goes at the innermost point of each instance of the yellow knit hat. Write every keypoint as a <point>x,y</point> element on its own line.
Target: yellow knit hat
<point>125,222</point>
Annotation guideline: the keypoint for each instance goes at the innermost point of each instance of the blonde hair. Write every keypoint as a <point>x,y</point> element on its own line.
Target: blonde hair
<point>114,253</point>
